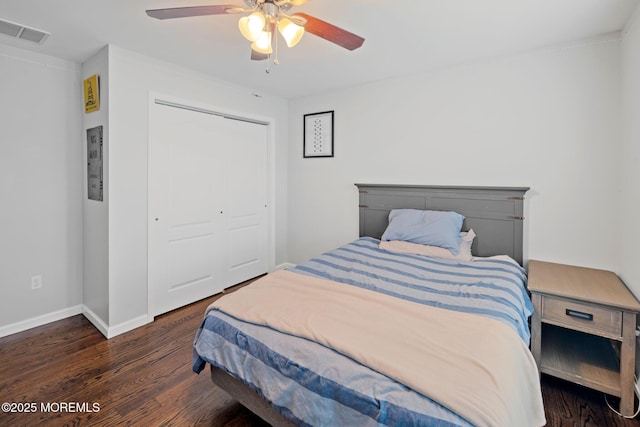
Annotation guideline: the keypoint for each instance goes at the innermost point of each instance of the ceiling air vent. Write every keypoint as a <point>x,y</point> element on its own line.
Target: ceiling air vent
<point>18,31</point>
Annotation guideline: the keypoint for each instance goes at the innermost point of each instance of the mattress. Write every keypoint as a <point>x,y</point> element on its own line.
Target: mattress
<point>313,384</point>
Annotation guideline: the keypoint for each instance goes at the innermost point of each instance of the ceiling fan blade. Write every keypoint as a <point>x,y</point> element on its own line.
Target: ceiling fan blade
<point>184,12</point>
<point>257,56</point>
<point>330,32</point>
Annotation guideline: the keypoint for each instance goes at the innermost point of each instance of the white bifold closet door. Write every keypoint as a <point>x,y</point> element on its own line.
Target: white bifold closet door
<point>207,205</point>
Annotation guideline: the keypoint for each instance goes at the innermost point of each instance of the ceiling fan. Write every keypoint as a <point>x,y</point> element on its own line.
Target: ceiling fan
<point>264,17</point>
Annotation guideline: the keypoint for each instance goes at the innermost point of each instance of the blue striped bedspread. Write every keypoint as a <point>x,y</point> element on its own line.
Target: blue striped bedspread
<point>489,287</point>
<point>310,384</point>
<point>313,385</point>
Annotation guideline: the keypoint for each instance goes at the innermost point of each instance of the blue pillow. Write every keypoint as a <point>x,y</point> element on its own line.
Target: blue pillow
<point>434,228</point>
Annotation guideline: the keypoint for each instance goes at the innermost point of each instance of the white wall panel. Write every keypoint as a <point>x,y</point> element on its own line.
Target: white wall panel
<point>629,232</point>
<point>40,187</point>
<point>133,78</point>
<point>546,119</point>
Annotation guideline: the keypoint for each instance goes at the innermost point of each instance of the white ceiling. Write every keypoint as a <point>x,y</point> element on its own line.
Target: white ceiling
<point>402,36</point>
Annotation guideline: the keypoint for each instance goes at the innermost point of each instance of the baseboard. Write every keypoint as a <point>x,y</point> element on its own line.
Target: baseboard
<point>23,325</point>
<point>95,320</point>
<point>284,266</point>
<point>107,331</point>
<point>129,325</point>
<point>112,331</point>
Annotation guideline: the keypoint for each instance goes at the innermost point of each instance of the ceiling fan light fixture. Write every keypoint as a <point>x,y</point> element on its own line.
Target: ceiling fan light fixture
<point>251,26</point>
<point>263,43</point>
<point>292,33</point>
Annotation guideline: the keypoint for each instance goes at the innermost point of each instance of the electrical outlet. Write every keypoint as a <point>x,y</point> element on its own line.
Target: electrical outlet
<point>36,281</point>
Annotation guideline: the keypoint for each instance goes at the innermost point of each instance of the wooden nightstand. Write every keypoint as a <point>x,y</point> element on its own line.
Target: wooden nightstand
<point>583,328</point>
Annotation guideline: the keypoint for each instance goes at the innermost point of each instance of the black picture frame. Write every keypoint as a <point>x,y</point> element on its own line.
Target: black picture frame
<point>318,135</point>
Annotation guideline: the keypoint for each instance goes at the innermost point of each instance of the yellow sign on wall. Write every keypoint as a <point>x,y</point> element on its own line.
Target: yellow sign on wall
<point>91,94</point>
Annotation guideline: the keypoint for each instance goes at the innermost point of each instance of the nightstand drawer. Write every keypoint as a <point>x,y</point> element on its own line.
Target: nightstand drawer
<point>583,317</point>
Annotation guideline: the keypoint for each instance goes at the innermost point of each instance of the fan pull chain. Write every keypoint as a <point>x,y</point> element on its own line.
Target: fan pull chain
<point>269,54</point>
<point>275,36</point>
<point>276,61</point>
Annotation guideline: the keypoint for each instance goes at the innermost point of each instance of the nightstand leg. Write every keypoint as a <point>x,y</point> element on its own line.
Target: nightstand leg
<point>536,328</point>
<point>627,363</point>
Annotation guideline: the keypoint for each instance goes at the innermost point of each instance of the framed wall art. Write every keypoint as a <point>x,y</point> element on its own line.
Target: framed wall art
<point>318,134</point>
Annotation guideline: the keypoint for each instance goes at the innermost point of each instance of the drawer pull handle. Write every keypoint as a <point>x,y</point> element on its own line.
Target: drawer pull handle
<point>578,314</point>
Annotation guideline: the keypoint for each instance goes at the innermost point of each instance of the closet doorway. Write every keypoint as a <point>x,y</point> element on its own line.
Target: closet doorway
<point>207,204</point>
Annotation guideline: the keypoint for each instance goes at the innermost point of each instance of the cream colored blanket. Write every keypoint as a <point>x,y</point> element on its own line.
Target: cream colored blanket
<point>475,366</point>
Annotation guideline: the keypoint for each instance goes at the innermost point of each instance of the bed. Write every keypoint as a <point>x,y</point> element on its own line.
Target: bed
<point>367,334</point>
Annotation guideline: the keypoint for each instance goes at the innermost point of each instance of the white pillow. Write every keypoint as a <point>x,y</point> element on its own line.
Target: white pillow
<point>400,246</point>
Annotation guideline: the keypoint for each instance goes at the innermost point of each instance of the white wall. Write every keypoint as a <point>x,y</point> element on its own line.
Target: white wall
<point>43,182</point>
<point>132,78</point>
<point>40,188</point>
<point>96,213</point>
<point>103,270</point>
<point>547,119</point>
<point>630,233</point>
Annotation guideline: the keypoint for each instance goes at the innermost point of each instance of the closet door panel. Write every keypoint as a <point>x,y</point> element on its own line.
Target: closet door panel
<point>247,200</point>
<point>187,173</point>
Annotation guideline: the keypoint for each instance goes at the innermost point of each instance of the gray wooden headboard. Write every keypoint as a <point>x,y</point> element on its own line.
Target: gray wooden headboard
<point>495,213</point>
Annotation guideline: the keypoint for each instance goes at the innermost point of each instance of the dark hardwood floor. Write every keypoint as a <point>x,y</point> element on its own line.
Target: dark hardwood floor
<point>144,378</point>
